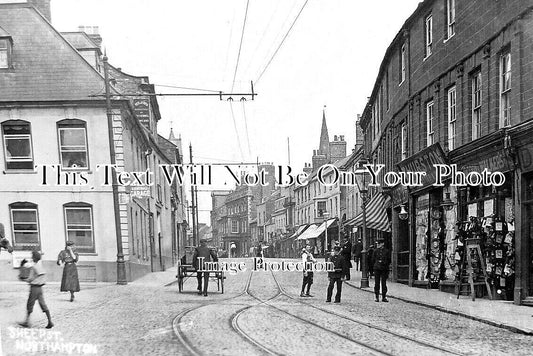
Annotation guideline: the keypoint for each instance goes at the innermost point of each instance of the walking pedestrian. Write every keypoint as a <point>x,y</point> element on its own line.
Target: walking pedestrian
<point>370,261</point>
<point>37,279</point>
<point>70,281</point>
<point>308,260</point>
<point>381,269</point>
<point>357,249</point>
<point>335,276</point>
<point>201,255</point>
<point>346,253</point>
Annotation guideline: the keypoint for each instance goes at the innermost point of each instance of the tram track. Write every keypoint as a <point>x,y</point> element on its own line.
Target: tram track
<point>366,324</point>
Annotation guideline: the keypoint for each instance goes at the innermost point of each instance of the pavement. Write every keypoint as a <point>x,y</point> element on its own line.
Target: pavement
<point>499,313</point>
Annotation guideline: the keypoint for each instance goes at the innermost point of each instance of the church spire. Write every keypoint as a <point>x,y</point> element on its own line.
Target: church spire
<point>323,147</point>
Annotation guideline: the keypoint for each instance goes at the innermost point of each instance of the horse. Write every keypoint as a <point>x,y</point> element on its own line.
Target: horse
<point>4,243</point>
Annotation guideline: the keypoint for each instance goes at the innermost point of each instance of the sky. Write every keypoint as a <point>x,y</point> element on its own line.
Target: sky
<point>330,57</point>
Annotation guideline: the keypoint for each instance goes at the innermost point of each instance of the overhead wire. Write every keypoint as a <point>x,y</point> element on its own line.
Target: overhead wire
<point>240,44</point>
<point>281,43</point>
<point>186,88</point>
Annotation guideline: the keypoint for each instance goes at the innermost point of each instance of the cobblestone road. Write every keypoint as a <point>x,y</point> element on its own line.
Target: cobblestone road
<point>260,313</point>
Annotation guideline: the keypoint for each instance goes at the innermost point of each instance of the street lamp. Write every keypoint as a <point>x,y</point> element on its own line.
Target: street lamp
<point>326,246</point>
<point>403,214</point>
<point>362,184</point>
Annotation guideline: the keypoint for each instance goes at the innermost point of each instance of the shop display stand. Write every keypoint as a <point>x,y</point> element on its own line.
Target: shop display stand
<point>466,271</point>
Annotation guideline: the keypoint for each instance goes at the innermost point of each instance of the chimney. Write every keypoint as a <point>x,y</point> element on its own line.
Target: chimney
<point>43,6</point>
<point>307,168</point>
<point>93,32</point>
<point>359,136</point>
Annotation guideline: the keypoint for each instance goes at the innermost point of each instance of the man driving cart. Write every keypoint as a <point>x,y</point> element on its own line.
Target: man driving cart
<point>208,255</point>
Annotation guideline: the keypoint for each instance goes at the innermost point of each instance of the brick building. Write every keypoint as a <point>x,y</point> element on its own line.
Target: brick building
<point>455,87</point>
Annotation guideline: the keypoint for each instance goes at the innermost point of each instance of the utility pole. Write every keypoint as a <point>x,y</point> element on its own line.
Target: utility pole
<point>193,204</point>
<point>121,264</point>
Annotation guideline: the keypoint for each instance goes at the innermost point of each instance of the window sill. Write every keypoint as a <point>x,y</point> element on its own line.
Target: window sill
<point>20,171</point>
<point>448,38</point>
<point>87,254</point>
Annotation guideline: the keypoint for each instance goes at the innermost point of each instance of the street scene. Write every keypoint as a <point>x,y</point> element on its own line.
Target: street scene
<point>299,177</point>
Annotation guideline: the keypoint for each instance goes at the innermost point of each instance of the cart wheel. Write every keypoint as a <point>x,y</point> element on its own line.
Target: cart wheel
<point>222,281</point>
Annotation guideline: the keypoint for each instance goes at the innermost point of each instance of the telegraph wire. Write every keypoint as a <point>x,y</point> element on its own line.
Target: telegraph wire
<point>282,41</point>
<point>240,44</point>
<point>186,88</point>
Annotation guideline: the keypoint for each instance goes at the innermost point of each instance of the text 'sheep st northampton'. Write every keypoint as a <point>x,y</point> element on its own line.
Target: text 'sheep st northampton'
<point>207,174</point>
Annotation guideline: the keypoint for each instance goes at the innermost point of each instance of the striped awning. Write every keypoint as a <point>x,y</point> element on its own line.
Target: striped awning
<point>299,231</point>
<point>376,214</point>
<point>310,233</point>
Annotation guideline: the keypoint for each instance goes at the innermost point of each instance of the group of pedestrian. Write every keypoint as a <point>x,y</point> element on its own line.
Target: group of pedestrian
<point>35,275</point>
<point>341,260</point>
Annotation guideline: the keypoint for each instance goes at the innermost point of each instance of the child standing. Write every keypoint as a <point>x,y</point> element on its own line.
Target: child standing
<point>36,279</point>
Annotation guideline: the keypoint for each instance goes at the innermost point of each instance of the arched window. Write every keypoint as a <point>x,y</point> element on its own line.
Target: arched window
<point>18,151</point>
<point>72,135</point>
<point>79,226</point>
<point>25,226</point>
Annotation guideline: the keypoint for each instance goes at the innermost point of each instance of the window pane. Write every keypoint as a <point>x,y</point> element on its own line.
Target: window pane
<point>17,147</point>
<point>27,239</point>
<point>24,216</point>
<point>72,137</point>
<point>81,239</point>
<point>3,58</point>
<point>78,216</point>
<point>74,159</point>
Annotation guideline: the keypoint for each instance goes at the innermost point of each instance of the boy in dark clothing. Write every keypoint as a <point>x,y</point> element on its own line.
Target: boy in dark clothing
<point>357,251</point>
<point>381,269</point>
<point>37,280</point>
<point>335,277</point>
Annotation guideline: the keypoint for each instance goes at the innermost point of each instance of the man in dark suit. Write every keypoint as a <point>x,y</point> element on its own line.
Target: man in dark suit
<point>335,276</point>
<point>381,259</point>
<point>346,253</point>
<point>357,251</point>
<point>208,255</point>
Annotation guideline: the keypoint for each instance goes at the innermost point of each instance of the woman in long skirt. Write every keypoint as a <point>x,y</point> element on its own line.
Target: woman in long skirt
<point>69,282</point>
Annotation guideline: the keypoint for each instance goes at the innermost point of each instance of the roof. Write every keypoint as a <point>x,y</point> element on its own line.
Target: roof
<point>80,40</point>
<point>46,67</point>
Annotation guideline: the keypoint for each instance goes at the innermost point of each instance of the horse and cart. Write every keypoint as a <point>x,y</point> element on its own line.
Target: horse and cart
<point>187,269</point>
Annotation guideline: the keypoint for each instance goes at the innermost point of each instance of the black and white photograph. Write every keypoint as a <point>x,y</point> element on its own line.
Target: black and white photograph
<point>266,177</point>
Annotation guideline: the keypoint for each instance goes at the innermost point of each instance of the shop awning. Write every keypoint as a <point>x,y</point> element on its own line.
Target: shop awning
<point>376,214</point>
<point>309,233</point>
<point>299,231</point>
<point>322,227</point>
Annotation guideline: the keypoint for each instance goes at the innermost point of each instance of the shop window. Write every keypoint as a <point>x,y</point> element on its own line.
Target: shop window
<point>73,144</point>
<point>25,226</point>
<point>505,89</point>
<point>79,226</point>
<point>476,105</point>
<point>18,151</point>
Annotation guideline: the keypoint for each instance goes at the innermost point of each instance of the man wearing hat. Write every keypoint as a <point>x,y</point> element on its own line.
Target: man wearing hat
<point>208,255</point>
<point>381,269</point>
<point>335,276</point>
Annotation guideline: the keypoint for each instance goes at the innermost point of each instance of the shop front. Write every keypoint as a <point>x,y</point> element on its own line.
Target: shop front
<point>487,213</point>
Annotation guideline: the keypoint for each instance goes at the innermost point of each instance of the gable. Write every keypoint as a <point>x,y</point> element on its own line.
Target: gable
<point>45,66</point>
